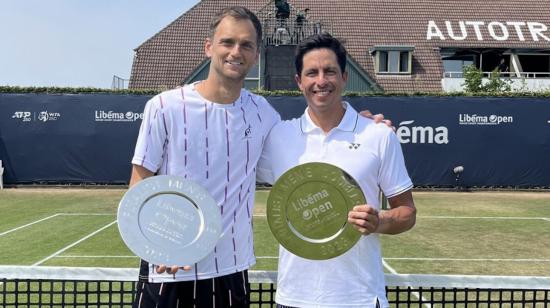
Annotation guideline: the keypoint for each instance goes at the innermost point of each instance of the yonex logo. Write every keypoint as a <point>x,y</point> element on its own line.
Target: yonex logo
<point>247,131</point>
<point>354,146</point>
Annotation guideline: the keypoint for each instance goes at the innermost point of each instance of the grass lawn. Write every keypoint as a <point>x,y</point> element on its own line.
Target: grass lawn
<point>481,233</point>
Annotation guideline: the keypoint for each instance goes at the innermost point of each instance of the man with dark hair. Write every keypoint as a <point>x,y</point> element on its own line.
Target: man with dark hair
<point>211,132</point>
<point>301,20</point>
<point>502,66</point>
<point>331,131</point>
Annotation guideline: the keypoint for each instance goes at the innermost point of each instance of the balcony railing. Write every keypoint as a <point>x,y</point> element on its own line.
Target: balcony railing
<point>290,30</point>
<point>119,83</point>
<point>529,81</point>
<point>502,75</point>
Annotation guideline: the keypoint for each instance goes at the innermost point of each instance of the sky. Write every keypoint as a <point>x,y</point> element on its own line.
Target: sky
<point>77,43</point>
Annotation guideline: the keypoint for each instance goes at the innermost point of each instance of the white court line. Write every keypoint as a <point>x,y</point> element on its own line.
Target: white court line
<point>393,271</point>
<point>27,225</point>
<point>87,214</point>
<point>465,217</point>
<point>386,258</point>
<point>91,257</point>
<point>484,217</point>
<point>444,259</point>
<point>472,259</point>
<point>52,216</point>
<point>74,244</point>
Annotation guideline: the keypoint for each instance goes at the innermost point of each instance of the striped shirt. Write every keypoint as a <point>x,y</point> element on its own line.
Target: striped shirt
<point>217,146</point>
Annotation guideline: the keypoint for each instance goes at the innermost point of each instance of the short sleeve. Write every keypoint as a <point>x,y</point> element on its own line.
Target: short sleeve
<point>393,176</point>
<point>152,135</point>
<point>264,172</point>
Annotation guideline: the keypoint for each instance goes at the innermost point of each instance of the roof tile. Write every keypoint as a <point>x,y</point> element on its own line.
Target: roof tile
<point>167,58</point>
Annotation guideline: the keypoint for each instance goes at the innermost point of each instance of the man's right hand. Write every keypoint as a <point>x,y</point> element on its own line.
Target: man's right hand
<point>377,118</point>
<point>170,269</point>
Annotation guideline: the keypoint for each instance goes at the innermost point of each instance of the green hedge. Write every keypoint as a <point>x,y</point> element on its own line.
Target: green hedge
<point>66,90</point>
<point>60,90</point>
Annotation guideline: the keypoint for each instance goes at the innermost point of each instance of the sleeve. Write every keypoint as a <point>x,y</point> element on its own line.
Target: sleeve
<point>393,177</point>
<point>149,149</point>
<point>264,173</point>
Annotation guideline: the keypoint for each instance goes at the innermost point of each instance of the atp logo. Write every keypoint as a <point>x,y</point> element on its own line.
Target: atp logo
<point>354,146</point>
<point>24,116</point>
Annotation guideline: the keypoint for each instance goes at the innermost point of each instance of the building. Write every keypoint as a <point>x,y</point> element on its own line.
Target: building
<point>393,45</point>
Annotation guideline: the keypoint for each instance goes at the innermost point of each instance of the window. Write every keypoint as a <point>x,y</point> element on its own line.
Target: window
<point>382,61</point>
<point>393,60</point>
<point>254,72</point>
<point>454,66</point>
<point>252,79</point>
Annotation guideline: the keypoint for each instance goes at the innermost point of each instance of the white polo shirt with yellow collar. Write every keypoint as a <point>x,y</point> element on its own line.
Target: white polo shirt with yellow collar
<point>372,155</point>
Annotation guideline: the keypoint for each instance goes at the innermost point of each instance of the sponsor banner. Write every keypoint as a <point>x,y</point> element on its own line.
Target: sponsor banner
<point>90,138</point>
<point>497,141</point>
<point>487,30</point>
<point>29,116</point>
<point>114,116</point>
<point>68,138</point>
<point>475,119</point>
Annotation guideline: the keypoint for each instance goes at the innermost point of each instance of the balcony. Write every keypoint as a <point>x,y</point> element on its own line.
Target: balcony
<point>288,29</point>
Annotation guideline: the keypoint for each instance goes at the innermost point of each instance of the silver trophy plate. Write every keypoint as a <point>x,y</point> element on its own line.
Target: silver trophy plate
<point>168,220</point>
<point>307,210</point>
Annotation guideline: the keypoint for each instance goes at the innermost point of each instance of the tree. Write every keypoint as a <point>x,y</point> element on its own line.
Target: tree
<point>473,81</point>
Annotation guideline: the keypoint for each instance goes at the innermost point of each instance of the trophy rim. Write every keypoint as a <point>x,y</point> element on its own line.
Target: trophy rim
<point>188,253</point>
<point>315,249</point>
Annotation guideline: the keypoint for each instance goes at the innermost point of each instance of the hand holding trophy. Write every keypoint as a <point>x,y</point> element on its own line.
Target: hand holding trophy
<point>169,221</point>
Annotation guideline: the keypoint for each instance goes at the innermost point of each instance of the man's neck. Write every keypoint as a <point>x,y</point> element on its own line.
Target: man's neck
<point>327,119</point>
<point>223,92</point>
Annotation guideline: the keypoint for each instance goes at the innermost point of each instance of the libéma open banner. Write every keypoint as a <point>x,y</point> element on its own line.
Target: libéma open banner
<point>89,138</point>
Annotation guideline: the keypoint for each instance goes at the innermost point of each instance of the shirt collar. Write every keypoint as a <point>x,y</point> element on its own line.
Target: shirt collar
<point>348,123</point>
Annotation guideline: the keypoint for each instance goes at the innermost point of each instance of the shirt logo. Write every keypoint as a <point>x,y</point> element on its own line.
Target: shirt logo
<point>247,132</point>
<point>354,146</point>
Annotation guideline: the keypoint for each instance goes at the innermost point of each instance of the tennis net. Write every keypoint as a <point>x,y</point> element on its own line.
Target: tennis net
<point>115,287</point>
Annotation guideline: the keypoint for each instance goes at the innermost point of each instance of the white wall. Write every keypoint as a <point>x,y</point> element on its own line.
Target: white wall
<point>518,84</point>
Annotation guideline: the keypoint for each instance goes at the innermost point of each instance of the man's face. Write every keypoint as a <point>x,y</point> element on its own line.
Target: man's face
<point>233,50</point>
<point>321,79</point>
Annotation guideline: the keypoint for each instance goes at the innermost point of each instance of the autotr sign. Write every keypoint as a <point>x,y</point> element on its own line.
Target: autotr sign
<point>498,30</point>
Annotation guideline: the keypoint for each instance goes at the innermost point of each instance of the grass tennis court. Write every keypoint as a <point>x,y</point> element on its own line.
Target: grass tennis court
<point>469,233</point>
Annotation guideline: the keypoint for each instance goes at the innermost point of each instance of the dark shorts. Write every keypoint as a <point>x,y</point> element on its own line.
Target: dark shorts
<point>225,291</point>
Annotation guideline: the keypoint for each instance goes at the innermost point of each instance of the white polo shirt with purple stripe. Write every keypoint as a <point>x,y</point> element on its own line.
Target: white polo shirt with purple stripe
<point>217,146</point>
<point>372,155</point>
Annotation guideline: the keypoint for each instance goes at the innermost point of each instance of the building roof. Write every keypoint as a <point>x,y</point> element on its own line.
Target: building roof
<point>168,57</point>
